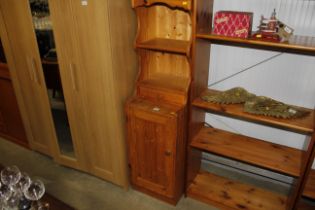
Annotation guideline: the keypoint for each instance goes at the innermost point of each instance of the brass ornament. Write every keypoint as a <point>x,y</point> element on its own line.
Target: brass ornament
<point>262,105</point>
<point>235,95</point>
<point>259,105</point>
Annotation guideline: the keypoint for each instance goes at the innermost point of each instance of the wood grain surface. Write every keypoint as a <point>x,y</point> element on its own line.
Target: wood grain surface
<point>303,125</point>
<point>301,44</point>
<point>309,190</point>
<point>250,150</point>
<point>232,195</point>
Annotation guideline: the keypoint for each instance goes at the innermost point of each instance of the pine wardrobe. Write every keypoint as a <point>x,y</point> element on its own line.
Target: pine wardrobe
<point>97,64</point>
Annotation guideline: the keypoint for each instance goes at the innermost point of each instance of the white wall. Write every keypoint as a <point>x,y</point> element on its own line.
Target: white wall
<point>288,77</point>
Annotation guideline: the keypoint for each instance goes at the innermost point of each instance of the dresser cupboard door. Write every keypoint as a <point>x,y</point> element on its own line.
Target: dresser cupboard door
<point>23,57</point>
<point>152,153</point>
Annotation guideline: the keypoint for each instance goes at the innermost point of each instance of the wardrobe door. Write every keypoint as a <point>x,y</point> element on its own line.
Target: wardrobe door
<point>71,76</point>
<point>25,66</point>
<point>105,144</point>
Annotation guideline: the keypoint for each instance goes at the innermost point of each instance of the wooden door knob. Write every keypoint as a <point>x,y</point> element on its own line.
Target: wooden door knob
<point>168,153</point>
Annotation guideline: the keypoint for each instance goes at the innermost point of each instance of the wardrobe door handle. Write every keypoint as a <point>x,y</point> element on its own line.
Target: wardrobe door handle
<point>30,68</point>
<point>73,77</point>
<point>35,71</point>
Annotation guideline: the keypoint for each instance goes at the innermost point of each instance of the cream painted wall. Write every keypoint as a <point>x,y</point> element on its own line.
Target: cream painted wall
<point>288,77</point>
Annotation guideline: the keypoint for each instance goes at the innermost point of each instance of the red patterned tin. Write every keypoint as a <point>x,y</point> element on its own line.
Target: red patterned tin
<point>233,24</point>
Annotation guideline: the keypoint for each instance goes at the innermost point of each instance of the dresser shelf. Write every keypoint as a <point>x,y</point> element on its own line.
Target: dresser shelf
<point>181,4</point>
<point>165,89</point>
<point>166,45</point>
<point>304,125</point>
<point>166,82</point>
<point>164,29</point>
<point>233,195</point>
<point>257,152</point>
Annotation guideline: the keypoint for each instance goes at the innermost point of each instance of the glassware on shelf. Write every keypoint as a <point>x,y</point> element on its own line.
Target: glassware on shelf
<point>5,193</point>
<point>35,191</point>
<point>21,186</point>
<point>19,192</point>
<point>24,182</point>
<point>13,201</point>
<point>10,176</point>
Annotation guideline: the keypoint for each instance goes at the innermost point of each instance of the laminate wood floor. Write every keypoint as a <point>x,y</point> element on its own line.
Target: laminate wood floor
<point>82,191</point>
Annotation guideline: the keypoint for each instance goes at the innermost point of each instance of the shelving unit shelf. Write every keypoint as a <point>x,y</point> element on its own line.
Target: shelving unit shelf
<point>257,152</point>
<point>302,44</point>
<point>226,193</point>
<point>305,206</point>
<point>309,190</point>
<point>231,195</point>
<point>304,125</point>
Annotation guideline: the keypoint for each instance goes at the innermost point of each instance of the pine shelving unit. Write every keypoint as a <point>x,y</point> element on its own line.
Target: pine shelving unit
<point>227,193</point>
<point>173,43</point>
